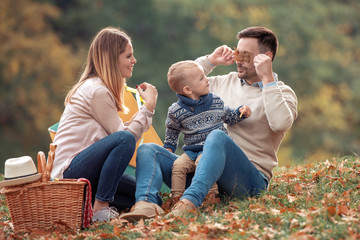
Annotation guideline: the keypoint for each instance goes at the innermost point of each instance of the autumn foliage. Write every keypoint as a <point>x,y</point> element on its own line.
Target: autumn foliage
<point>310,201</point>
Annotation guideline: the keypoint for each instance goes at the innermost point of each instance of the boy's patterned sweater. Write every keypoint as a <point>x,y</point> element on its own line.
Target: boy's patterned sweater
<point>196,119</point>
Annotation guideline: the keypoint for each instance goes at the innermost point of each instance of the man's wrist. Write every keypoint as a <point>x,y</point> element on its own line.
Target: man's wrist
<point>210,61</point>
<point>269,84</point>
<point>268,80</point>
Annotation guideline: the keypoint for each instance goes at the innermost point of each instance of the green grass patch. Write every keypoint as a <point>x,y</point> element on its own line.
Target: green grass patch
<point>307,201</point>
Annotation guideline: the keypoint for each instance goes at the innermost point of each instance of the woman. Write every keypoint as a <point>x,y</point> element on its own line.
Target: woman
<point>92,140</point>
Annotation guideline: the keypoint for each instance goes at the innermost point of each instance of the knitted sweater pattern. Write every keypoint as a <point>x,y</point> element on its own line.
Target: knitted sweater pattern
<point>196,119</point>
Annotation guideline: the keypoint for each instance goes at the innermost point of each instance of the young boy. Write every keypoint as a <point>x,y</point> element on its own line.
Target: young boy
<point>195,114</point>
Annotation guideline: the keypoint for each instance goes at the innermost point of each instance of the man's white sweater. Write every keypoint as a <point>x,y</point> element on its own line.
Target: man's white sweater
<point>274,109</point>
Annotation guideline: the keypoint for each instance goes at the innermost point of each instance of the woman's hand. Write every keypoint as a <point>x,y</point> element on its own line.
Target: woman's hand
<point>149,93</point>
<point>222,55</point>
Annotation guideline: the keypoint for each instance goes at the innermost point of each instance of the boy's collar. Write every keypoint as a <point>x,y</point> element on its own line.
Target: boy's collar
<point>190,101</point>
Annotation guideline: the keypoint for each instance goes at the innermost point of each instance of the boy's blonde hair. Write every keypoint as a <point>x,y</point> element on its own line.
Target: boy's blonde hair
<point>177,75</point>
<point>103,62</point>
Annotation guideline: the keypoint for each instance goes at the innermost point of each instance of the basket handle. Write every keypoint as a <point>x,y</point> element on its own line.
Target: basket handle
<point>50,160</point>
<point>41,161</point>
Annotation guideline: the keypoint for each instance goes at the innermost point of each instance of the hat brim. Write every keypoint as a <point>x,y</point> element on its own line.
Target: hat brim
<point>18,181</point>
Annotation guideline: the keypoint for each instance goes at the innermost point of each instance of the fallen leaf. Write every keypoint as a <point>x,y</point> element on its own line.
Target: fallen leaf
<point>298,188</point>
<point>294,223</point>
<point>117,231</point>
<point>331,210</point>
<point>275,211</point>
<point>343,209</point>
<point>292,198</point>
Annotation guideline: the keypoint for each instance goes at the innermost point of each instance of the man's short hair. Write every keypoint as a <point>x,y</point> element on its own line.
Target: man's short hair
<point>267,40</point>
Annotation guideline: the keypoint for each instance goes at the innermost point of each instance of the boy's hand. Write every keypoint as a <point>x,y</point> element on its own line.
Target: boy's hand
<point>245,111</point>
<point>169,150</point>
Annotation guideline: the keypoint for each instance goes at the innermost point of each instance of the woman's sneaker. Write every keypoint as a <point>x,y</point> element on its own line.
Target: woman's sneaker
<point>105,214</point>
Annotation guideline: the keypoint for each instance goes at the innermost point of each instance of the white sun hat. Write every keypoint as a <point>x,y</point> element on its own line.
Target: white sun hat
<point>19,171</point>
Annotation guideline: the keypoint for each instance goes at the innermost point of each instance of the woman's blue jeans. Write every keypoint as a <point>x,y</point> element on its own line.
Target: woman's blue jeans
<point>103,164</point>
<point>222,162</point>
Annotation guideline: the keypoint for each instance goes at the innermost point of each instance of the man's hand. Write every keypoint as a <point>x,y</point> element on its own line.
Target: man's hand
<point>263,68</point>
<point>222,55</point>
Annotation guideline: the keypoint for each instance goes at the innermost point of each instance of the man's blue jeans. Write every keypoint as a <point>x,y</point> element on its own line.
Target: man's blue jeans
<point>222,162</point>
<point>103,164</point>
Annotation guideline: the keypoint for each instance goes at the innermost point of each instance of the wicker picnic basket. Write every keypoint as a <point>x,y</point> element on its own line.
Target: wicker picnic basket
<point>44,204</point>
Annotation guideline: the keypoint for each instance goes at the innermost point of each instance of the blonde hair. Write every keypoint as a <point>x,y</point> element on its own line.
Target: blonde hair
<point>177,75</point>
<point>103,62</point>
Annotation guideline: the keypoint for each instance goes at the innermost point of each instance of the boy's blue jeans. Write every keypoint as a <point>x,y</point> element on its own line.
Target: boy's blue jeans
<point>103,164</point>
<point>222,162</point>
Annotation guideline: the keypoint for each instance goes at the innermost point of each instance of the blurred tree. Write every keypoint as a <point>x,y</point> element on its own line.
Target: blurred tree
<point>162,33</point>
<point>35,69</point>
<point>318,57</point>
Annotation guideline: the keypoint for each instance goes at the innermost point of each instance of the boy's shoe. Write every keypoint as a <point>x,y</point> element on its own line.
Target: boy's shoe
<point>105,214</point>
<point>168,205</point>
<point>181,207</point>
<point>211,199</point>
<point>143,209</point>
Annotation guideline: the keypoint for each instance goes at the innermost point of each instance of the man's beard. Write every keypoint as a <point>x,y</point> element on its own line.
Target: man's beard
<point>243,74</point>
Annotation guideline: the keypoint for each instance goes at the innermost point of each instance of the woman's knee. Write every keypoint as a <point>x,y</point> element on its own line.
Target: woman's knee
<point>125,139</point>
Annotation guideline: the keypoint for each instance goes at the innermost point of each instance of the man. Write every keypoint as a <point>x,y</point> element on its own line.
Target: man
<point>242,162</point>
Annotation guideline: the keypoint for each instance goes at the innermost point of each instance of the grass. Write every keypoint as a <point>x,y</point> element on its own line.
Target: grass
<point>308,201</point>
